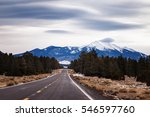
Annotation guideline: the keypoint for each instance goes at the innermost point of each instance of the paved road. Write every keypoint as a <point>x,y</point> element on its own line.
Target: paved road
<point>57,87</point>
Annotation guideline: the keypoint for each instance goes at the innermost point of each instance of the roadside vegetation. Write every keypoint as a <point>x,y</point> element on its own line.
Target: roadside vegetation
<point>128,89</point>
<point>27,64</point>
<point>14,80</point>
<point>90,64</point>
<point>119,78</point>
<point>21,69</point>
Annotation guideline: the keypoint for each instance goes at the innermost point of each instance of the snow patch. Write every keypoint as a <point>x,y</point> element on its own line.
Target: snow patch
<point>79,48</point>
<point>64,62</point>
<point>73,52</point>
<point>89,49</point>
<point>129,49</point>
<point>70,48</point>
<point>78,75</point>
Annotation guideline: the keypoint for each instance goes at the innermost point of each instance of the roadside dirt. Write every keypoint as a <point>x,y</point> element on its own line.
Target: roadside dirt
<point>14,80</point>
<point>128,89</point>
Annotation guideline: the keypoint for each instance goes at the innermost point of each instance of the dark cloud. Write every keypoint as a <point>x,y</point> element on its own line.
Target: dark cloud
<point>106,25</point>
<point>17,2</point>
<point>39,12</point>
<point>58,31</point>
<point>108,40</point>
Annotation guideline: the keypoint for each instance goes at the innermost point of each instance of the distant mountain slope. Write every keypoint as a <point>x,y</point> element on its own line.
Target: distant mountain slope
<point>102,48</point>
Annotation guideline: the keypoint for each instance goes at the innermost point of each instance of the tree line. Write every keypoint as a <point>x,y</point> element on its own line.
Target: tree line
<point>27,64</point>
<point>115,68</point>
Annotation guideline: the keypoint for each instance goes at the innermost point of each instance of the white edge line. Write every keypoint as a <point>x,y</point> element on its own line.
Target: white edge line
<point>28,82</point>
<point>83,91</point>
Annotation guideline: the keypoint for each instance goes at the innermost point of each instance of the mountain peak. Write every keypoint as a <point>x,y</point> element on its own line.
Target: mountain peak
<point>105,44</point>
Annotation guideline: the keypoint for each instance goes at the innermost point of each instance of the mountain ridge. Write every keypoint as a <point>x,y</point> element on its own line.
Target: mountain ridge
<point>69,53</point>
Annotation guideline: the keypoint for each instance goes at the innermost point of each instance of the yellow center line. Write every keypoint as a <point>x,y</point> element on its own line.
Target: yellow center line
<point>39,91</point>
<point>26,98</point>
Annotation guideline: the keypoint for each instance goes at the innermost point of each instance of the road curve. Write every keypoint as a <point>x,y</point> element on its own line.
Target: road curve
<point>57,87</point>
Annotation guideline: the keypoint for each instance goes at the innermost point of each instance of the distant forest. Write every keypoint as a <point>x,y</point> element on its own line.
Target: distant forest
<point>27,64</point>
<point>90,64</point>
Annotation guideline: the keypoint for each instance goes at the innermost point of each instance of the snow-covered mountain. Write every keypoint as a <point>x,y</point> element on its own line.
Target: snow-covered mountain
<point>104,45</point>
<point>69,53</point>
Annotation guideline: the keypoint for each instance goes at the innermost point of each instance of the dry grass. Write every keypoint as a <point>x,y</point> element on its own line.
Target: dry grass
<point>124,89</point>
<point>14,80</point>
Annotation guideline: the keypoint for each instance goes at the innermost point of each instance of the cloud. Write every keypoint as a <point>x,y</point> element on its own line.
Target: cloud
<point>120,12</point>
<point>27,20</point>
<point>122,8</point>
<point>108,40</point>
<point>58,31</point>
<point>131,5</point>
<point>17,2</point>
<point>39,12</point>
<point>127,9</point>
<point>106,25</point>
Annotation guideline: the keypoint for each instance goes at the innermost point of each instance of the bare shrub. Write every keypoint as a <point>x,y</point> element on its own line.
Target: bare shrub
<point>123,91</point>
<point>132,90</point>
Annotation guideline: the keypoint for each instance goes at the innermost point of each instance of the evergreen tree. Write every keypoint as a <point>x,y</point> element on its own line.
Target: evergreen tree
<point>26,64</point>
<point>115,68</point>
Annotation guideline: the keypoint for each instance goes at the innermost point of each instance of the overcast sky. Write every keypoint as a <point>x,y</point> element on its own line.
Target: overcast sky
<point>29,24</point>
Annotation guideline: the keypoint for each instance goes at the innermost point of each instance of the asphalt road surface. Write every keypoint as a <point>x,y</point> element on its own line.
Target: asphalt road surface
<point>56,87</point>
